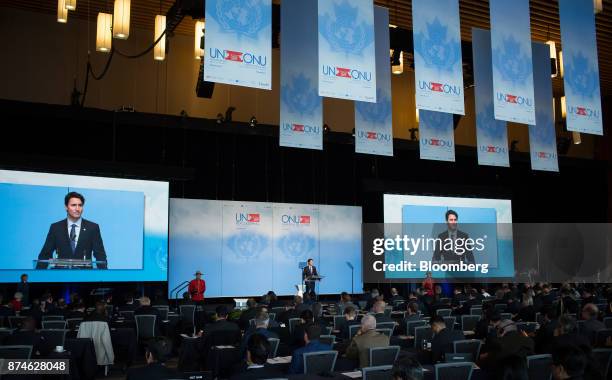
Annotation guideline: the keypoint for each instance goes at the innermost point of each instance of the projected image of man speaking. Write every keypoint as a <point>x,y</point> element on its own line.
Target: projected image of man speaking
<point>73,237</point>
<point>450,240</point>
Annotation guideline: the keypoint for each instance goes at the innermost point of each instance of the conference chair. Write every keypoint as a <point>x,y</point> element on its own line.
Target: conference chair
<point>277,310</point>
<point>163,310</point>
<point>603,357</point>
<point>579,325</point>
<point>528,327</point>
<point>386,325</point>
<point>294,322</point>
<point>339,321</point>
<point>602,336</point>
<point>353,330</point>
<point>450,322</point>
<point>272,316</point>
<point>110,310</point>
<point>456,358</point>
<point>383,355</point>
<point>412,324</point>
<point>500,307</point>
<point>469,322</point>
<point>444,312</point>
<point>328,339</point>
<point>319,362</point>
<point>505,316</point>
<point>539,367</point>
<point>445,301</point>
<point>274,342</point>
<point>16,352</point>
<point>421,333</point>
<point>381,372</point>
<point>362,304</point>
<point>145,326</point>
<point>468,346</point>
<point>454,371</point>
<point>387,332</point>
<point>73,323</point>
<point>54,337</point>
<point>187,313</point>
<point>99,333</point>
<point>15,322</point>
<point>388,310</point>
<point>4,332</point>
<point>127,314</point>
<point>476,310</point>
<point>608,322</point>
<point>52,317</point>
<point>55,325</point>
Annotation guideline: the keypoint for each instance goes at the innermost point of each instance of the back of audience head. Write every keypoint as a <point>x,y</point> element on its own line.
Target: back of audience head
<point>437,324</point>
<point>145,301</point>
<point>408,369</point>
<point>100,308</point>
<point>378,307</point>
<point>297,300</point>
<point>221,312</point>
<point>350,313</point>
<point>590,311</point>
<point>262,320</point>
<point>368,322</point>
<point>413,308</point>
<point>312,332</point>
<point>506,326</point>
<point>251,303</point>
<point>566,325</point>
<point>307,316</point>
<point>258,349</point>
<point>158,350</point>
<point>568,362</point>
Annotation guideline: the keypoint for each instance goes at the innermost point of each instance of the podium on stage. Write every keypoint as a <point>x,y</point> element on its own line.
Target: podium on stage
<point>69,263</point>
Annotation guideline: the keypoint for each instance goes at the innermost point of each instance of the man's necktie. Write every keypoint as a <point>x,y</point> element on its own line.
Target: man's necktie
<point>73,238</point>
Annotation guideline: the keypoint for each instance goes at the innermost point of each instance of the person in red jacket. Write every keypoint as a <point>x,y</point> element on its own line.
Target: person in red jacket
<point>197,287</point>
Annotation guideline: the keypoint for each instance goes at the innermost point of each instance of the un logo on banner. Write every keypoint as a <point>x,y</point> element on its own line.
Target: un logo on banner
<point>161,258</point>
<point>580,75</point>
<point>436,48</point>
<point>377,113</point>
<point>544,132</point>
<point>487,124</point>
<point>245,18</point>
<point>343,32</point>
<point>300,96</point>
<point>247,245</point>
<point>296,245</point>
<point>513,65</point>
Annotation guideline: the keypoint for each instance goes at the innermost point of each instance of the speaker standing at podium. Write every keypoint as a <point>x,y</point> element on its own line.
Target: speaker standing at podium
<point>197,287</point>
<point>73,237</point>
<point>309,271</point>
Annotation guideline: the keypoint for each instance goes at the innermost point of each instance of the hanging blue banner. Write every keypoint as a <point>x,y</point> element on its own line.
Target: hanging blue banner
<point>491,134</point>
<point>436,136</point>
<point>437,56</point>
<point>511,58</point>
<point>373,121</point>
<point>542,136</point>
<point>581,77</point>
<point>347,66</point>
<point>301,108</point>
<point>238,43</point>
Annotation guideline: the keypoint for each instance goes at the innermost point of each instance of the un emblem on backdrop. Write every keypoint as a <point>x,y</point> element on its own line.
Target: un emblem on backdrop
<point>580,75</point>
<point>544,131</point>
<point>300,96</point>
<point>296,245</point>
<point>247,245</point>
<point>437,121</point>
<point>244,18</point>
<point>435,48</point>
<point>343,32</point>
<point>376,113</point>
<point>511,63</point>
<point>487,124</point>
<point>161,258</point>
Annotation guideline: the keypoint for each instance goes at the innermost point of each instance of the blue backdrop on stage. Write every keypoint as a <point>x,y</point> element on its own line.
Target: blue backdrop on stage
<point>249,248</point>
<point>131,214</point>
<point>301,107</point>
<point>238,43</point>
<point>347,61</point>
<point>581,76</point>
<point>542,136</point>
<point>437,56</point>
<point>436,136</point>
<point>491,134</point>
<point>512,65</point>
<point>373,121</point>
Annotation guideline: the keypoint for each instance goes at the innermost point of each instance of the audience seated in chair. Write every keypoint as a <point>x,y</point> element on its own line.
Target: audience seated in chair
<point>509,342</point>
<point>157,352</point>
<point>379,312</point>
<point>443,338</point>
<point>312,333</point>
<point>569,363</point>
<point>261,327</point>
<point>350,316</point>
<point>28,336</point>
<point>256,366</point>
<point>367,337</point>
<point>99,314</point>
<point>591,324</point>
<point>146,309</point>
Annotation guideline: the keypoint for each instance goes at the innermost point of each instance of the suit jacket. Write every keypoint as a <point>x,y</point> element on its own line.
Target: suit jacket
<point>306,272</point>
<point>590,327</point>
<point>153,371</point>
<point>297,359</point>
<point>360,345</point>
<point>345,326</point>
<point>89,244</point>
<point>450,255</point>
<point>511,344</point>
<point>442,343</point>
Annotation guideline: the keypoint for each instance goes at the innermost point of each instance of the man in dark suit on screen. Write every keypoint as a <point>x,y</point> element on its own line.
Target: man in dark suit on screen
<point>307,273</point>
<point>452,235</point>
<point>74,237</point>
